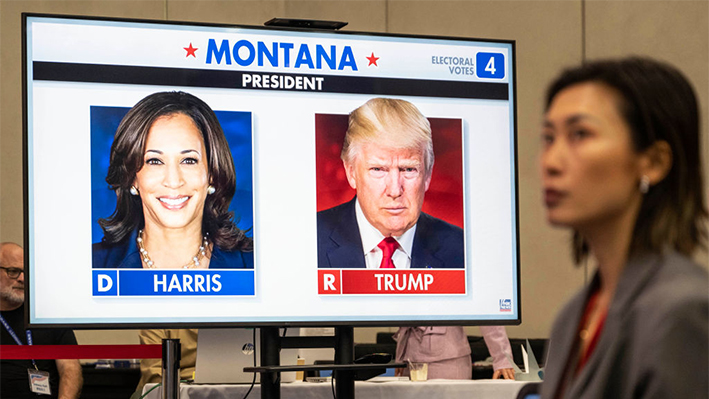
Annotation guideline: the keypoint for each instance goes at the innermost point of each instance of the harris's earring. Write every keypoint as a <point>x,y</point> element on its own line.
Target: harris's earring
<point>133,190</point>
<point>211,189</point>
<point>644,184</point>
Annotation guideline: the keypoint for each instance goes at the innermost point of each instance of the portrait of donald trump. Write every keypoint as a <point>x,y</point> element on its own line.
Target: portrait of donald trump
<point>388,158</point>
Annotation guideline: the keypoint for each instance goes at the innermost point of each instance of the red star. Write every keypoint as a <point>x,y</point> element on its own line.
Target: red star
<point>372,60</point>
<point>190,51</point>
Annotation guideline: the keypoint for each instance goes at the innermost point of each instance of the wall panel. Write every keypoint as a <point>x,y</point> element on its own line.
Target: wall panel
<point>241,12</point>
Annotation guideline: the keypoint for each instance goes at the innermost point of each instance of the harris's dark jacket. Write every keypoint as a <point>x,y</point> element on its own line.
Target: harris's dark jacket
<point>125,255</point>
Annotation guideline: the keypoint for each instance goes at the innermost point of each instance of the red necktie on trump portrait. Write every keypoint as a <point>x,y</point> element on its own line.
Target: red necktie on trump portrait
<point>388,246</point>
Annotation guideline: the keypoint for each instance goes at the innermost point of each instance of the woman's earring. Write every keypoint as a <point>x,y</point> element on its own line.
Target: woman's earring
<point>211,189</point>
<point>133,190</point>
<point>644,184</point>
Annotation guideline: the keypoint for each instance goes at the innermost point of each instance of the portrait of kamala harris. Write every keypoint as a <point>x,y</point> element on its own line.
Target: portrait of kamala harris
<point>173,176</point>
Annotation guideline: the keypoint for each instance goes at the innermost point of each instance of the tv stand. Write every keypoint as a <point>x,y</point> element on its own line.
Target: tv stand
<point>344,369</point>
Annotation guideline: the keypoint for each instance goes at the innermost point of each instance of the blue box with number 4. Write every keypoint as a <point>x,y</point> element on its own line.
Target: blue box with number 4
<point>490,65</point>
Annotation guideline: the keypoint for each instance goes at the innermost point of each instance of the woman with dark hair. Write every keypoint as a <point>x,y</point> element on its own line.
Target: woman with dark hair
<point>173,175</point>
<point>621,168</point>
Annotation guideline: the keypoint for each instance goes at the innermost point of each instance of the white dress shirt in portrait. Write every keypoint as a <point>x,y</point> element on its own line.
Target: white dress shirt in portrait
<point>371,237</point>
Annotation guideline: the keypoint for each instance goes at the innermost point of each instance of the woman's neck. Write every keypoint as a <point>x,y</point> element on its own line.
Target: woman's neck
<point>172,248</point>
<point>609,242</point>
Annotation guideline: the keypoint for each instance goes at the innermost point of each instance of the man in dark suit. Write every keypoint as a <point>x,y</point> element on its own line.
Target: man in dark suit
<point>388,159</point>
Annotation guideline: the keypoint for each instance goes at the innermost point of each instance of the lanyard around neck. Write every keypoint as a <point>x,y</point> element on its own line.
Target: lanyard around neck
<point>16,338</point>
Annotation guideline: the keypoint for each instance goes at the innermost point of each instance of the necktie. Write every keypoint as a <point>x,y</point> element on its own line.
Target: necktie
<point>388,246</point>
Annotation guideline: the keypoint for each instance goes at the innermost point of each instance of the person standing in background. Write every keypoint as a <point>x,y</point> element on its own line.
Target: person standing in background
<point>27,378</point>
<point>447,351</point>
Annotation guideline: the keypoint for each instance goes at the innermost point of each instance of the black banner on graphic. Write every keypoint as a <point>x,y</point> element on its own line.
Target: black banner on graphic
<point>158,76</point>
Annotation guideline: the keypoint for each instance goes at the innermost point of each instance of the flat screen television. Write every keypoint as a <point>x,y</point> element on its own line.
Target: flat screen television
<point>262,173</point>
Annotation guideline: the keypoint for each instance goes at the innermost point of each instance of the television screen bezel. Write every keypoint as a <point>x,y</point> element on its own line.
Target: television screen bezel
<point>219,324</point>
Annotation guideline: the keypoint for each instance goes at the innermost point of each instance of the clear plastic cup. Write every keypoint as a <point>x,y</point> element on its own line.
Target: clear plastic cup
<point>418,371</point>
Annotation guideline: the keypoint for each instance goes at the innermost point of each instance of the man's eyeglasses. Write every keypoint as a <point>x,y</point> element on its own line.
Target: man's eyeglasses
<point>12,272</point>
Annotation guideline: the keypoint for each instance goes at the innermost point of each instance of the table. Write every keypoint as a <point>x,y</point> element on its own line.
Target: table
<point>450,389</point>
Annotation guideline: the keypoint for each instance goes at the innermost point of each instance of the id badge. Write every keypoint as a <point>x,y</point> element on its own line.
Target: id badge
<point>39,382</point>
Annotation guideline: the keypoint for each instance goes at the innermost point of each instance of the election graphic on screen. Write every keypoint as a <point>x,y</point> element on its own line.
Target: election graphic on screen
<point>208,184</point>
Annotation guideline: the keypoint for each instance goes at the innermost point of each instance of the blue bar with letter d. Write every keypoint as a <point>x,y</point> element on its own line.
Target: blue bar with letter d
<point>142,282</point>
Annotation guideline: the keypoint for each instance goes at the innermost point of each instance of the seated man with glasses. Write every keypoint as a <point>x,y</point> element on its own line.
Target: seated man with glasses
<point>29,378</point>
